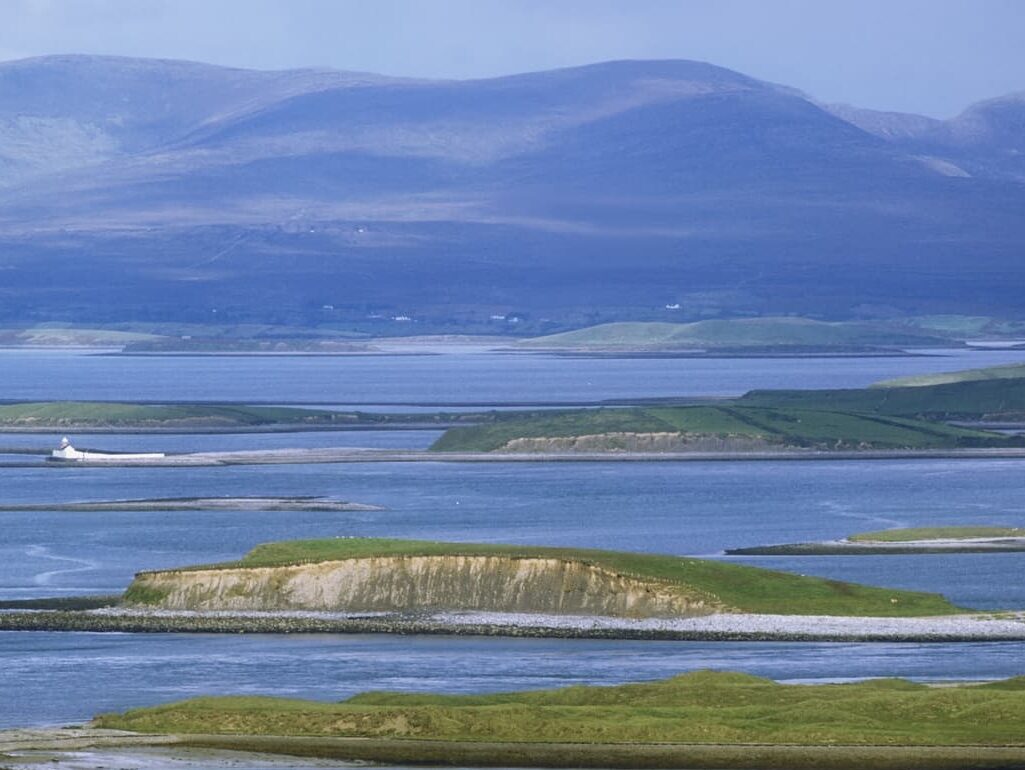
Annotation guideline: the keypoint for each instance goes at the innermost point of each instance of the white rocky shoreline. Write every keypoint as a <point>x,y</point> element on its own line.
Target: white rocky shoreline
<point>968,627</point>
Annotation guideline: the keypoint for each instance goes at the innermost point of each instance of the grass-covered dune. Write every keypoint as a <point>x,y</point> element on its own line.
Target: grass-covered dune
<point>790,425</point>
<point>935,533</point>
<point>696,708</point>
<point>766,332</point>
<point>995,398</point>
<point>713,584</point>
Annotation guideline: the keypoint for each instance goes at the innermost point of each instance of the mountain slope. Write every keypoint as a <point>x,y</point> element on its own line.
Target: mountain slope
<point>146,189</point>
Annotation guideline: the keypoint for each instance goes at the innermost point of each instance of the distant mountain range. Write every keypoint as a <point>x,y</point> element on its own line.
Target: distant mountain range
<point>636,190</point>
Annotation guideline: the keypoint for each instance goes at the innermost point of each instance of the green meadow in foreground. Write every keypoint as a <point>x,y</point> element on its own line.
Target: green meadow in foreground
<point>789,426</point>
<point>737,587</point>
<point>935,533</point>
<point>699,707</point>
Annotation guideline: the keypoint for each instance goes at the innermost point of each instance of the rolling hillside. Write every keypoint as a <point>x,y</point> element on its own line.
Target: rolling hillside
<point>155,190</point>
<point>732,333</point>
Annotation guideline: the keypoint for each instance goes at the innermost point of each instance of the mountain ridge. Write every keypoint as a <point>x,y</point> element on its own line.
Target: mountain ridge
<point>310,196</point>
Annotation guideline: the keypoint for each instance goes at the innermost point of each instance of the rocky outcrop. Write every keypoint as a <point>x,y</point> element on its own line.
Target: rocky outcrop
<point>421,583</point>
<point>640,442</point>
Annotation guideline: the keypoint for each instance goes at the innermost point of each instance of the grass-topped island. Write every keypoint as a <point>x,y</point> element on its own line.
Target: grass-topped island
<point>374,585</point>
<point>697,720</point>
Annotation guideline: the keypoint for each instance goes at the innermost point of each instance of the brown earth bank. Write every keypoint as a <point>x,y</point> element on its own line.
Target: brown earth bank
<point>421,583</point>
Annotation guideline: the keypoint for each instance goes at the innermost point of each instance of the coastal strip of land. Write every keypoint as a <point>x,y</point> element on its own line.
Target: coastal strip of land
<point>726,627</point>
<point>60,748</point>
<point>675,718</point>
<point>351,455</point>
<point>920,540</point>
<point>301,503</point>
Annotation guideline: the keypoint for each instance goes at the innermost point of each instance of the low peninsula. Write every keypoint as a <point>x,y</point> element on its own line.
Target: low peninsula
<point>918,540</point>
<point>300,503</point>
<point>695,720</point>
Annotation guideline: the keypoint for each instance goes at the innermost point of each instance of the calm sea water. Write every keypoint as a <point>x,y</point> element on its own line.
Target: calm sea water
<point>462,377</point>
<point>691,508</point>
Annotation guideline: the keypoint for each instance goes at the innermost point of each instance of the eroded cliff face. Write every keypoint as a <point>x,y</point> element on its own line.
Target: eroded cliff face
<point>421,583</point>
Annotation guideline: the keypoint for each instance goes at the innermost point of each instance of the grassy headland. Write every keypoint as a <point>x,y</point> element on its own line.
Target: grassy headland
<point>730,586</point>
<point>790,425</point>
<point>1008,371</point>
<point>971,398</point>
<point>701,707</point>
<point>769,332</point>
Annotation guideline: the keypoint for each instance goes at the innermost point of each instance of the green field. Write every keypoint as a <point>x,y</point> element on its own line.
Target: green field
<point>72,413</point>
<point>83,414</point>
<point>789,426</point>
<point>1009,371</point>
<point>971,399</point>
<point>701,707</point>
<point>57,336</point>
<point>739,588</point>
<point>935,533</point>
<point>734,333</point>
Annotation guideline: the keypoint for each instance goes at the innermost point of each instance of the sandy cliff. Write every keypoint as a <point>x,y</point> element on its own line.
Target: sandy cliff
<point>414,583</point>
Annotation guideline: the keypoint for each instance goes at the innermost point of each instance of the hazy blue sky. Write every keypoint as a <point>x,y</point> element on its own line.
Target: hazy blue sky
<point>929,56</point>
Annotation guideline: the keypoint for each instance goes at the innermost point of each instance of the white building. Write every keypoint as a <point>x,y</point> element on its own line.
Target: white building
<point>65,452</point>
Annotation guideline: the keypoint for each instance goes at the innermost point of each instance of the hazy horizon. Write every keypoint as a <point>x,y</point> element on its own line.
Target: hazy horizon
<point>914,56</point>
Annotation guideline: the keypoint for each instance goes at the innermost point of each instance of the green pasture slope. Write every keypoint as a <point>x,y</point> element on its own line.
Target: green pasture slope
<point>789,425</point>
<point>1006,372</point>
<point>734,333</point>
<point>741,588</point>
<point>701,707</point>
<point>975,398</point>
<point>85,414</point>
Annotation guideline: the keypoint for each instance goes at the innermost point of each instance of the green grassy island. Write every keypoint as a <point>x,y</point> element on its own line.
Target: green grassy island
<point>743,720</point>
<point>731,427</point>
<point>411,575</point>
